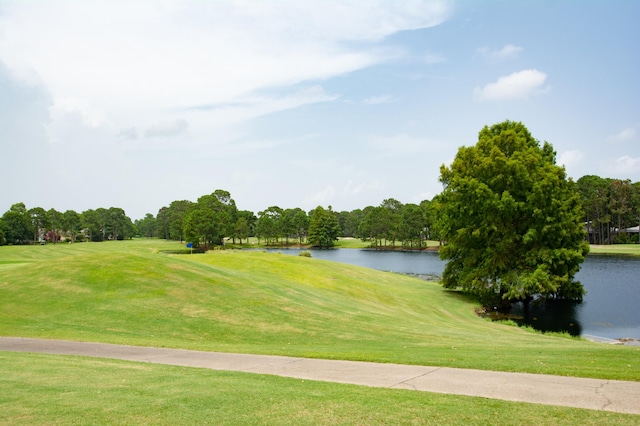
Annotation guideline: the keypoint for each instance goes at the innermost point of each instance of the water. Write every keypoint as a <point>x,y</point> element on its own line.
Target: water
<point>611,307</point>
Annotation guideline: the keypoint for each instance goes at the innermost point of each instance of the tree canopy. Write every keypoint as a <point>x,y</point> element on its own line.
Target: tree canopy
<point>611,206</point>
<point>511,220</point>
<point>324,227</point>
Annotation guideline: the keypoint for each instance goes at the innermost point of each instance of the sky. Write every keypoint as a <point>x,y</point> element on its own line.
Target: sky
<point>135,104</point>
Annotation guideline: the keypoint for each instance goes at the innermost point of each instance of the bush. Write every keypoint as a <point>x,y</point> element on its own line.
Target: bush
<point>305,253</point>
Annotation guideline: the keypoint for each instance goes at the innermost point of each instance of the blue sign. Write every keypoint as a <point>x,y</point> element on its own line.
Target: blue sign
<point>189,245</point>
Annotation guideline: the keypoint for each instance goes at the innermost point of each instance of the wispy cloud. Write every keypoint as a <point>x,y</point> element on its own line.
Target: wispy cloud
<point>519,85</point>
<point>625,135</point>
<point>507,52</point>
<point>91,116</point>
<point>179,54</point>
<point>167,128</point>
<point>347,190</point>
<point>376,100</point>
<point>624,166</point>
<point>434,58</point>
<point>128,133</point>
<point>571,160</point>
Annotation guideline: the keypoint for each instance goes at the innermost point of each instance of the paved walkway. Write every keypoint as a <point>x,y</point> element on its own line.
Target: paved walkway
<point>607,395</point>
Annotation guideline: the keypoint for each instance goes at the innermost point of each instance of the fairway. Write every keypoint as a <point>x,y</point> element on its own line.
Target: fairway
<point>265,303</point>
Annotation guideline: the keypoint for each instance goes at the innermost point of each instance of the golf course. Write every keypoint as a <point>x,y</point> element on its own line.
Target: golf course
<point>253,302</point>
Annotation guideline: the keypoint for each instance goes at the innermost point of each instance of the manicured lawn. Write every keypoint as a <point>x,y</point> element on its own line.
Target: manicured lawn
<point>50,389</point>
<point>348,242</point>
<point>352,243</point>
<point>617,249</point>
<point>267,303</point>
<point>257,302</point>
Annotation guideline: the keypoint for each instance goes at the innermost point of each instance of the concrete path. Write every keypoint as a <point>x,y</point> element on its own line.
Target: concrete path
<point>607,395</point>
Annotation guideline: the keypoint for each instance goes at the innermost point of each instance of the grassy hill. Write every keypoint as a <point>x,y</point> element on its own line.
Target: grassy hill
<point>254,302</point>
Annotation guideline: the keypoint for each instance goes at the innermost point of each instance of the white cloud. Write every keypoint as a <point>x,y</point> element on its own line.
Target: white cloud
<point>507,52</point>
<point>190,74</point>
<point>519,85</point>
<point>624,135</point>
<point>183,54</point>
<point>321,197</point>
<point>376,100</point>
<point>218,118</point>
<point>624,166</point>
<point>128,133</point>
<point>418,198</point>
<point>345,191</point>
<point>167,128</point>
<point>91,117</point>
<point>347,186</point>
<point>570,157</point>
<point>571,160</point>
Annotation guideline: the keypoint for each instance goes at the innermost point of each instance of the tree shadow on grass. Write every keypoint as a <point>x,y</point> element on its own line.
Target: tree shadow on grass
<point>551,316</point>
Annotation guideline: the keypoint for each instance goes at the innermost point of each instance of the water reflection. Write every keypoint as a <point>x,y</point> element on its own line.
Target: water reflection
<point>552,316</point>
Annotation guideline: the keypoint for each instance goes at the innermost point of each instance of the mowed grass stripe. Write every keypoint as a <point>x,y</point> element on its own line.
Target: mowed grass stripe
<point>101,391</point>
<point>266,303</point>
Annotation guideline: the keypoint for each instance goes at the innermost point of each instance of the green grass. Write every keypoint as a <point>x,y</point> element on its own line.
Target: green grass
<point>255,302</point>
<point>100,391</point>
<point>265,303</point>
<point>348,242</point>
<point>616,249</point>
<point>351,243</point>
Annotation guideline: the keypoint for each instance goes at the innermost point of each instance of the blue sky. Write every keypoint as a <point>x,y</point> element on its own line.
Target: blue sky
<point>134,104</point>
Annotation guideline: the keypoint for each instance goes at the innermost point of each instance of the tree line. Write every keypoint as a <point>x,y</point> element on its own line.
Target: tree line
<point>215,217</point>
<point>609,207</point>
<point>20,225</point>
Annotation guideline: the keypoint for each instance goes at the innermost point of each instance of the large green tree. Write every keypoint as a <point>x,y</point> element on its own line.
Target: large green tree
<point>324,227</point>
<point>269,225</point>
<point>92,222</point>
<point>295,224</point>
<point>163,223</point>
<point>40,223</point>
<point>244,225</point>
<point>55,220</point>
<point>222,211</point>
<point>147,225</point>
<point>16,224</point>
<point>202,225</point>
<point>412,226</point>
<point>511,220</point>
<point>177,211</point>
<point>71,223</point>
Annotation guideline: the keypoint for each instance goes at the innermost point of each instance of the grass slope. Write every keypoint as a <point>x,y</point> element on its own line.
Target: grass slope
<point>255,302</point>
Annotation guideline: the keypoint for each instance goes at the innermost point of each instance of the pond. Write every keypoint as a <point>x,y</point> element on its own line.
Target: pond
<point>611,307</point>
